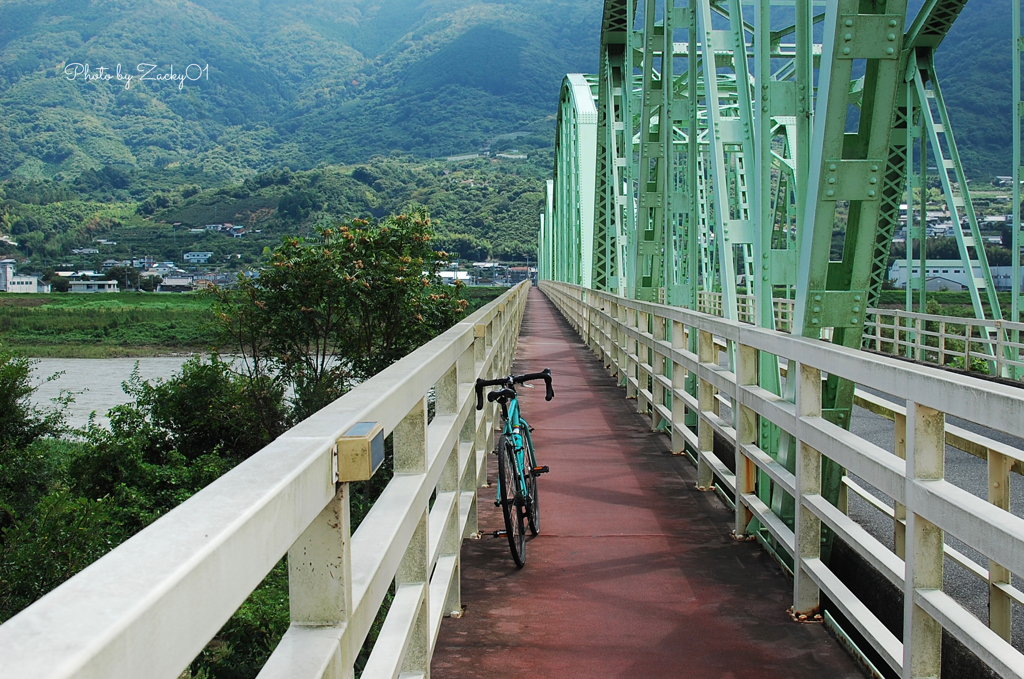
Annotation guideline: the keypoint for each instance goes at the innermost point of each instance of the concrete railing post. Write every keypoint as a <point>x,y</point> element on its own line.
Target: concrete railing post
<point>643,374</point>
<point>922,634</point>
<point>678,385</point>
<point>621,348</point>
<point>659,368</point>
<point>899,517</point>
<point>706,404</point>
<point>630,351</point>
<point>807,530</point>
<point>451,543</point>
<point>746,433</point>
<point>999,602</point>
<point>320,573</point>
<point>410,444</point>
<point>466,370</point>
<point>608,341</point>
<point>447,403</point>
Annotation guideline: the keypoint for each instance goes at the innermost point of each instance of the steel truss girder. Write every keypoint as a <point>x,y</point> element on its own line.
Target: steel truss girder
<point>1016,297</point>
<point>921,73</point>
<point>613,217</point>
<point>571,224</point>
<point>694,168</point>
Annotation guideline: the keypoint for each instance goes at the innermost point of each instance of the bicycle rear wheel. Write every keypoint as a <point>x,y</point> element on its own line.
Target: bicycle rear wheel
<point>533,499</point>
<point>511,500</point>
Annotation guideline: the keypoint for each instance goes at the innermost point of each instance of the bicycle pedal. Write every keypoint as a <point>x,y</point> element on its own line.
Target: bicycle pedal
<point>497,503</point>
<point>500,533</point>
<point>537,471</point>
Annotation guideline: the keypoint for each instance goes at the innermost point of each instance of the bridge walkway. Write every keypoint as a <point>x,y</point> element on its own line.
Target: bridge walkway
<point>634,573</point>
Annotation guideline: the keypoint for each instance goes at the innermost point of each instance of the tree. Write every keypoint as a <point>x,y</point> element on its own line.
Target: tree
<point>22,423</point>
<point>150,283</point>
<point>339,307</point>
<point>128,276</point>
<point>56,283</point>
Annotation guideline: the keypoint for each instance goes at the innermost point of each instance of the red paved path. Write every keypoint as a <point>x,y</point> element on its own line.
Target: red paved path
<point>634,573</point>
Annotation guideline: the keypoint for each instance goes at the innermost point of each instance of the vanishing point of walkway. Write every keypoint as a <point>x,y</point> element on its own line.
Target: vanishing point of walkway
<point>634,573</point>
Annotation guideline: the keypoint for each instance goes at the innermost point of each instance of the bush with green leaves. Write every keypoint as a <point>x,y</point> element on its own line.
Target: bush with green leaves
<point>339,307</point>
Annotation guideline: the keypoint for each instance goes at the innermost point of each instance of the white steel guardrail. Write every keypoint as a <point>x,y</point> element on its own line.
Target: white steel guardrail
<point>147,608</point>
<point>646,345</point>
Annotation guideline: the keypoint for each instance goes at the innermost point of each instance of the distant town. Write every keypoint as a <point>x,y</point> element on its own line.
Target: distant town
<point>149,275</point>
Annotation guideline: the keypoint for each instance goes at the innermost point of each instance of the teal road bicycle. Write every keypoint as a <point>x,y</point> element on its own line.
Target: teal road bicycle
<point>517,461</point>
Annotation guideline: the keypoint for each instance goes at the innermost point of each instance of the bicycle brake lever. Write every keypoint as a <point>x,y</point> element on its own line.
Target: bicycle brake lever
<point>527,385</point>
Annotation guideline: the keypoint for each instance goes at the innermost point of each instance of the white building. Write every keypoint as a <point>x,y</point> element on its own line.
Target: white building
<point>86,286</point>
<point>198,257</point>
<point>950,274</point>
<point>450,277</point>
<point>164,270</point>
<point>12,282</point>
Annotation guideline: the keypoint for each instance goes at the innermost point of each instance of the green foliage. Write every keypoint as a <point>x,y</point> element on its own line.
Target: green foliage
<point>65,502</point>
<point>347,303</point>
<point>208,408</point>
<point>21,423</point>
<point>341,306</point>
<point>104,325</point>
<point>973,65</point>
<point>62,534</point>
<point>289,83</point>
<point>481,208</point>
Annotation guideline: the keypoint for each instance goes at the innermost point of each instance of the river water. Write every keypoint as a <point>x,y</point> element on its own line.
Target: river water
<point>96,383</point>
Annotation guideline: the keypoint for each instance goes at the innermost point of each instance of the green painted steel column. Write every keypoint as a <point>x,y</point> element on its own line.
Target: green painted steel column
<point>1016,298</point>
<point>572,219</point>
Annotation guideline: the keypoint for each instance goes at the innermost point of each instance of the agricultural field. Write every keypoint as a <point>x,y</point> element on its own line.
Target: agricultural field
<point>943,303</point>
<point>126,324</point>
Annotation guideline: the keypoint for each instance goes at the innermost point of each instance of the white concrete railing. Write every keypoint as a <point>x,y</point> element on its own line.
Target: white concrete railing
<point>926,338</point>
<point>746,307</point>
<point>646,345</point>
<point>940,339</point>
<point>149,607</point>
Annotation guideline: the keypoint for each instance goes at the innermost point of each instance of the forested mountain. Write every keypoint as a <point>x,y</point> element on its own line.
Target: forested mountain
<point>299,83</point>
<point>480,208</point>
<point>973,66</point>
<point>288,82</point>
<point>319,89</point>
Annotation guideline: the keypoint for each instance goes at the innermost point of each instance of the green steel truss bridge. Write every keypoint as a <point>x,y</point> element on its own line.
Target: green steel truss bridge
<point>714,242</point>
<point>672,180</point>
<point>752,160</point>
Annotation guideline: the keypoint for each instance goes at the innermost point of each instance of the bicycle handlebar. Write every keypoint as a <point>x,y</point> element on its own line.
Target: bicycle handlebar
<point>509,384</point>
<point>545,375</point>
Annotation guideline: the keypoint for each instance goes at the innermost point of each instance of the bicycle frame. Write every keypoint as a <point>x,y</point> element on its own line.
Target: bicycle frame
<point>518,429</point>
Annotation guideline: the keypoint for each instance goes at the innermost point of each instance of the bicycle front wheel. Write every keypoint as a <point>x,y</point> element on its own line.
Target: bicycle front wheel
<point>511,500</point>
<point>533,498</point>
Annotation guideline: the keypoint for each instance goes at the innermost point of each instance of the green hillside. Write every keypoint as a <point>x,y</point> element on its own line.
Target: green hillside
<point>483,207</point>
<point>312,111</point>
<point>288,83</point>
<point>974,69</point>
